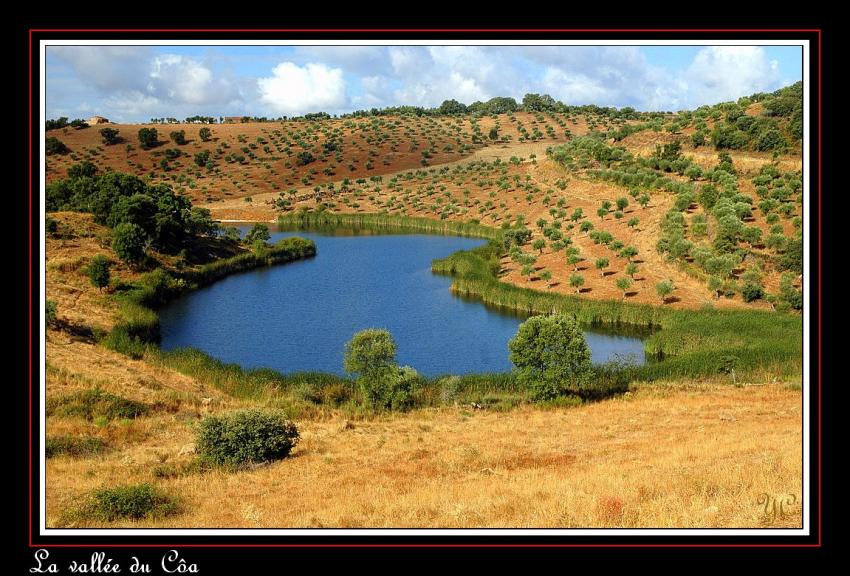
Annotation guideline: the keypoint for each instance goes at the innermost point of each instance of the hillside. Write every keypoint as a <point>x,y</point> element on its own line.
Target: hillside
<point>499,170</point>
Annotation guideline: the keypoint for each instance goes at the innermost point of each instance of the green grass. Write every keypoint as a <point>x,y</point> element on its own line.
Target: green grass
<point>386,223</point>
<point>74,446</point>
<point>132,502</point>
<point>94,403</point>
<point>690,342</point>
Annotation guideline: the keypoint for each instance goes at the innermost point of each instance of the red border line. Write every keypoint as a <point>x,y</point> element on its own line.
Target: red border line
<point>447,545</point>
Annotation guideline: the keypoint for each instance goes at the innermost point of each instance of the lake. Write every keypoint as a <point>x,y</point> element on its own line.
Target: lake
<point>298,316</point>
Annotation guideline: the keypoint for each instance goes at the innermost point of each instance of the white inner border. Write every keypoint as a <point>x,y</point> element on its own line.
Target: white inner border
<point>806,501</point>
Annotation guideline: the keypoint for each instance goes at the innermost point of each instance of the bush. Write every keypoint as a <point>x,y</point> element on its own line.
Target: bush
<point>53,145</point>
<point>94,403</point>
<point>131,502</point>
<point>450,389</point>
<point>98,271</point>
<point>109,136</point>
<point>551,356</point>
<point>246,436</point>
<point>205,134</point>
<point>50,312</point>
<point>75,446</point>
<point>178,137</point>
<point>148,137</point>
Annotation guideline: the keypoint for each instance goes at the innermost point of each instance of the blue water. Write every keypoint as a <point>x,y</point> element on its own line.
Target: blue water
<point>298,316</point>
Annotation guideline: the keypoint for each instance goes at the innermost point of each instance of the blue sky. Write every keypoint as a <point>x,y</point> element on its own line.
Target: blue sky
<point>136,83</point>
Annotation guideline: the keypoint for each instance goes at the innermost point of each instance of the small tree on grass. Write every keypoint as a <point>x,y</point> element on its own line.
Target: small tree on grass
<point>98,272</point>
<point>109,136</point>
<point>601,265</point>
<point>664,289</point>
<point>370,355</point>
<point>624,284</point>
<point>577,281</point>
<point>551,356</point>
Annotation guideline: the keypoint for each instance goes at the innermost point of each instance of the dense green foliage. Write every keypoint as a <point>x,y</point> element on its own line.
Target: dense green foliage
<point>98,271</point>
<point>132,502</point>
<point>244,437</point>
<point>109,136</point>
<point>53,145</point>
<point>370,355</point>
<point>148,137</point>
<point>551,356</point>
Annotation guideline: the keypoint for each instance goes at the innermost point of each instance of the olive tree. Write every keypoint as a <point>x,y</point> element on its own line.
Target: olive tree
<point>551,356</point>
<point>664,289</point>
<point>577,281</point>
<point>129,242</point>
<point>624,284</point>
<point>370,355</point>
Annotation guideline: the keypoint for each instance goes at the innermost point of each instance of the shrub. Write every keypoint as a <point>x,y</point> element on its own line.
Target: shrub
<point>246,436</point>
<point>53,145</point>
<point>93,403</point>
<point>205,134</point>
<point>109,136</point>
<point>449,389</point>
<point>50,312</point>
<point>201,158</point>
<point>131,502</point>
<point>551,356</point>
<point>148,137</point>
<point>98,271</point>
<point>74,446</point>
<point>178,137</point>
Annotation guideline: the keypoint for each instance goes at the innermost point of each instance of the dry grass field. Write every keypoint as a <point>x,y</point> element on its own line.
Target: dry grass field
<point>680,453</point>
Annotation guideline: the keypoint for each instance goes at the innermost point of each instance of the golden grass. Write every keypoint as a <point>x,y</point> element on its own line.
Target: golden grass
<point>677,456</point>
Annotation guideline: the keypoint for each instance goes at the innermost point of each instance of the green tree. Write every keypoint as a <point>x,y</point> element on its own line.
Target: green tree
<point>628,253</point>
<point>633,223</point>
<point>205,134</point>
<point>202,157</point>
<point>546,276</point>
<point>84,169</point>
<point>631,269</point>
<point>643,200</point>
<point>664,289</point>
<point>622,203</point>
<point>98,271</point>
<point>178,137</point>
<point>601,265</point>
<point>494,133</point>
<point>539,245</point>
<point>259,233</point>
<point>577,281</point>
<point>129,242</point>
<point>50,313</point>
<point>551,356</point>
<point>624,284</point>
<point>148,137</point>
<point>109,136</point>
<point>370,355</point>
<point>586,226</point>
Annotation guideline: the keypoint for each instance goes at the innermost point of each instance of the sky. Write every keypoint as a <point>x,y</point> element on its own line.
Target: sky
<point>137,83</point>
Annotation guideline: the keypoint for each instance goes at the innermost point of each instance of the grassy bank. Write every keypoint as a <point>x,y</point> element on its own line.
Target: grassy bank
<point>387,223</point>
<point>139,325</point>
<point>691,342</point>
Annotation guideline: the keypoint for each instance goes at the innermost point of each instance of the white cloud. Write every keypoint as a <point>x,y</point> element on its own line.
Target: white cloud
<point>293,89</point>
<point>187,81</point>
<point>722,73</point>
